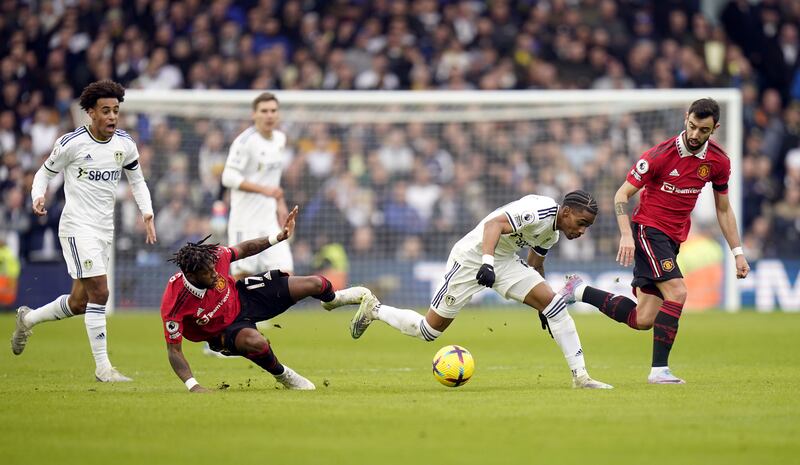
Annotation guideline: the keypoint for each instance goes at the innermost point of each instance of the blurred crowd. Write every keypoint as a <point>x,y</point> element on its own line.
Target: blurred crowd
<point>378,188</point>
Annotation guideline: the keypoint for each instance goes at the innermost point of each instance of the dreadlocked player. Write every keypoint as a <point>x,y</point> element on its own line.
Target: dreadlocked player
<point>204,303</point>
<point>487,256</point>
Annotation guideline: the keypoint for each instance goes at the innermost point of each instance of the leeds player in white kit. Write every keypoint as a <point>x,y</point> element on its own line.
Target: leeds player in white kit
<point>487,256</point>
<point>253,172</point>
<point>92,159</point>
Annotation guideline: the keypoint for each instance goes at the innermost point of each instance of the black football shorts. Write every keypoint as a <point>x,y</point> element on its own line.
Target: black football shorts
<point>655,257</point>
<point>262,296</point>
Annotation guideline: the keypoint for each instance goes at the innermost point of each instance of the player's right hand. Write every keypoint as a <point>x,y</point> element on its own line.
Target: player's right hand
<point>199,389</point>
<point>486,275</point>
<point>626,250</point>
<point>38,207</point>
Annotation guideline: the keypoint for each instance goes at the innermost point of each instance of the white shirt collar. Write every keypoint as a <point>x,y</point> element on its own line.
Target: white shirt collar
<point>196,291</point>
<point>684,151</point>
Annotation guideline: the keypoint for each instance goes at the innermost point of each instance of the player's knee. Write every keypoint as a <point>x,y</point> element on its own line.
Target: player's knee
<point>676,293</point>
<point>250,342</point>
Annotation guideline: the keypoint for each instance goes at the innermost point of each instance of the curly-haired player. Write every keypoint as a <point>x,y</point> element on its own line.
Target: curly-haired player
<point>204,303</point>
<point>92,158</point>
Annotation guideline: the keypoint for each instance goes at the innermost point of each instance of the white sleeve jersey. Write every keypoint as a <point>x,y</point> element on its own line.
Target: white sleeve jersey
<point>261,161</point>
<point>92,169</point>
<point>533,220</point>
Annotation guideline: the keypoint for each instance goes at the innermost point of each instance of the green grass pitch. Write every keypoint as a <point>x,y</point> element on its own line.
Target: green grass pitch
<point>377,402</point>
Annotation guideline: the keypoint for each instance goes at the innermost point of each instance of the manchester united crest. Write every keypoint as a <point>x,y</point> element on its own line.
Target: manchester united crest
<point>667,264</point>
<point>703,171</point>
<point>220,284</point>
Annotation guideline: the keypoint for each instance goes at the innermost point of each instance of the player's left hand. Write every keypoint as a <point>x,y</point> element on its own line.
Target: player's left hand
<point>150,228</point>
<point>288,227</point>
<point>742,267</point>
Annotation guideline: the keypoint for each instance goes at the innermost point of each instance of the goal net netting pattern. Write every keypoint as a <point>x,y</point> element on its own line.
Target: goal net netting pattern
<point>388,181</point>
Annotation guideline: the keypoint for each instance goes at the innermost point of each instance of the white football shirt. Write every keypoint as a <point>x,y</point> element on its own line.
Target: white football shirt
<point>533,219</point>
<point>92,169</point>
<point>260,161</point>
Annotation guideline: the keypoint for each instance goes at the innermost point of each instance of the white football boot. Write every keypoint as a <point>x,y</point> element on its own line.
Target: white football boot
<point>110,375</point>
<point>292,380</point>
<point>349,296</point>
<point>585,382</point>
<point>207,350</point>
<point>364,316</point>
<point>663,375</point>
<point>19,338</point>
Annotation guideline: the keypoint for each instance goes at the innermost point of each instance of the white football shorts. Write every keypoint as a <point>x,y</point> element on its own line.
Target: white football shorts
<point>276,257</point>
<point>514,280</point>
<point>85,256</point>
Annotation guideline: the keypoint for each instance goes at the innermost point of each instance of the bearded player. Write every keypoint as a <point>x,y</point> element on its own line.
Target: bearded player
<point>670,175</point>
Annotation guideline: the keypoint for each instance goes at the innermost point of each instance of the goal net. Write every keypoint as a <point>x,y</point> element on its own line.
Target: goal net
<point>388,181</point>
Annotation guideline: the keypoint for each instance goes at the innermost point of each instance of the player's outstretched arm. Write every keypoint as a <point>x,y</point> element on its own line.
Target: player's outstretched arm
<point>181,368</point>
<point>626,246</point>
<point>254,246</point>
<point>727,223</point>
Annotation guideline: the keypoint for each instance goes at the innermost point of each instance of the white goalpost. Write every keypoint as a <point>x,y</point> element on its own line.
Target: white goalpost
<point>386,181</point>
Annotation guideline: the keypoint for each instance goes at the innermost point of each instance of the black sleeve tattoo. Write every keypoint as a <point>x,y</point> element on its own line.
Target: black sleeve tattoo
<point>251,247</point>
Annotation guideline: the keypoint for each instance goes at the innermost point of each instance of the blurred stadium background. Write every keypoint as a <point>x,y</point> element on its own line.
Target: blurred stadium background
<point>387,179</point>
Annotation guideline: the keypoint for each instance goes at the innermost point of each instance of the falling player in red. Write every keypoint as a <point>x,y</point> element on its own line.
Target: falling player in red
<point>204,303</point>
<point>671,175</point>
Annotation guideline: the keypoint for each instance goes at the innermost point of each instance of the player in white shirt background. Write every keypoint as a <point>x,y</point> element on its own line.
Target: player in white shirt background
<point>253,170</point>
<point>92,159</point>
<point>487,256</point>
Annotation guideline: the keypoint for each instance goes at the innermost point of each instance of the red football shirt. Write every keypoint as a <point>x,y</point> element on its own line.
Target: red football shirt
<point>672,179</point>
<point>200,314</point>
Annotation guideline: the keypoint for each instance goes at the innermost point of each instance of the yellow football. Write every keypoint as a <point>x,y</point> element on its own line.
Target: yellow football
<point>453,366</point>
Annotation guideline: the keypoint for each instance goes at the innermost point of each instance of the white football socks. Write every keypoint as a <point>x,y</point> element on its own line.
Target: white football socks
<point>55,310</point>
<point>95,321</point>
<point>407,322</point>
<point>565,334</point>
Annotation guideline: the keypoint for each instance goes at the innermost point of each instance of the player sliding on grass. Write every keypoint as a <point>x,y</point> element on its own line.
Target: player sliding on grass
<point>487,256</point>
<point>204,303</point>
<point>672,174</point>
